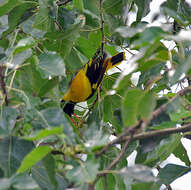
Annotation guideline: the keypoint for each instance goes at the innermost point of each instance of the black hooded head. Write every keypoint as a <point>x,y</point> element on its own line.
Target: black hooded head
<point>68,107</point>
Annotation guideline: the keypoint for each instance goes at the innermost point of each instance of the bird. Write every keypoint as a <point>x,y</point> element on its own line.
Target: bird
<point>87,80</point>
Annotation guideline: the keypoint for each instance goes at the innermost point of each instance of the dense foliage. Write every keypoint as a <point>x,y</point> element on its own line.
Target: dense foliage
<point>42,44</point>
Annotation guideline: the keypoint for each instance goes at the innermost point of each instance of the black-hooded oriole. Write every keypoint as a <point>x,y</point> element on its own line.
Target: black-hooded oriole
<point>88,79</point>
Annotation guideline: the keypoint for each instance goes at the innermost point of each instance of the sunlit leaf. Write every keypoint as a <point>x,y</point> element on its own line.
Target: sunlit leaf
<point>45,133</point>
<point>33,157</point>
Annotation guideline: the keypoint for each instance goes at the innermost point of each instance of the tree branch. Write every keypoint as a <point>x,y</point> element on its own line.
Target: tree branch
<point>162,132</point>
<point>145,135</point>
<point>3,86</point>
<point>122,137</point>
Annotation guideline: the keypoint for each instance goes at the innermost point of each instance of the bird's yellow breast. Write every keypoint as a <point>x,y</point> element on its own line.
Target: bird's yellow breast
<point>80,88</point>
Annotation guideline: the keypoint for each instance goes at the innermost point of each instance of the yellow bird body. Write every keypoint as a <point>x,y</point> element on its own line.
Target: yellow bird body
<point>88,79</point>
<point>80,88</point>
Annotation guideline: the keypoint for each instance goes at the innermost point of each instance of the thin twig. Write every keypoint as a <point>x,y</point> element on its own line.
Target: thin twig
<point>102,26</point>
<point>63,3</point>
<point>119,157</point>
<point>3,86</point>
<point>163,107</point>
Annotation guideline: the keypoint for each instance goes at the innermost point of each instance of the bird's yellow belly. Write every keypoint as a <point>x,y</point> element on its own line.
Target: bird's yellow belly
<point>80,88</point>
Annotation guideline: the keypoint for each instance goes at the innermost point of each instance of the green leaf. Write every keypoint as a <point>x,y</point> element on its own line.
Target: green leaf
<point>111,103</point>
<point>27,27</point>
<point>177,11</point>
<point>51,64</point>
<point>183,67</point>
<point>147,105</point>
<point>47,86</point>
<point>68,37</point>
<point>21,57</point>
<point>95,38</point>
<point>143,8</point>
<point>43,20</point>
<point>177,111</point>
<point>23,181</point>
<point>146,186</point>
<point>130,106</point>
<point>78,4</point>
<point>113,7</point>
<point>85,173</point>
<point>171,172</point>
<point>181,153</point>
<point>8,6</point>
<point>138,172</point>
<point>66,18</point>
<point>41,176</point>
<point>18,14</point>
<point>73,61</point>
<point>8,120</point>
<point>148,36</point>
<point>92,7</point>
<point>163,150</point>
<point>112,182</point>
<point>129,32</point>
<point>33,157</point>
<point>100,185</point>
<point>23,45</point>
<point>86,47</point>
<point>13,151</point>
<point>30,80</point>
<point>119,182</point>
<point>50,165</point>
<point>55,117</point>
<point>45,133</point>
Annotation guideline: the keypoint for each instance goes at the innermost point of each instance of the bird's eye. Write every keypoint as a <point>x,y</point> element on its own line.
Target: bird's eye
<point>62,101</point>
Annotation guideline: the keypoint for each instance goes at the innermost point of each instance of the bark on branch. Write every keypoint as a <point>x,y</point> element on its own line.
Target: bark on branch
<point>3,85</point>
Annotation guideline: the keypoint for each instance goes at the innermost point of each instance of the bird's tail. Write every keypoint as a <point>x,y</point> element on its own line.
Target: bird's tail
<point>115,60</point>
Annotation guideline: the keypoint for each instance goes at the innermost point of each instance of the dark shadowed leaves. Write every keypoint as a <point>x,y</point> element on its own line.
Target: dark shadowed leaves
<point>13,151</point>
<point>171,172</point>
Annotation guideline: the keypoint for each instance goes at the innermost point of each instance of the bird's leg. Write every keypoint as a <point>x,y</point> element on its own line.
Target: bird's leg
<point>79,124</point>
<point>76,117</point>
<point>74,123</point>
